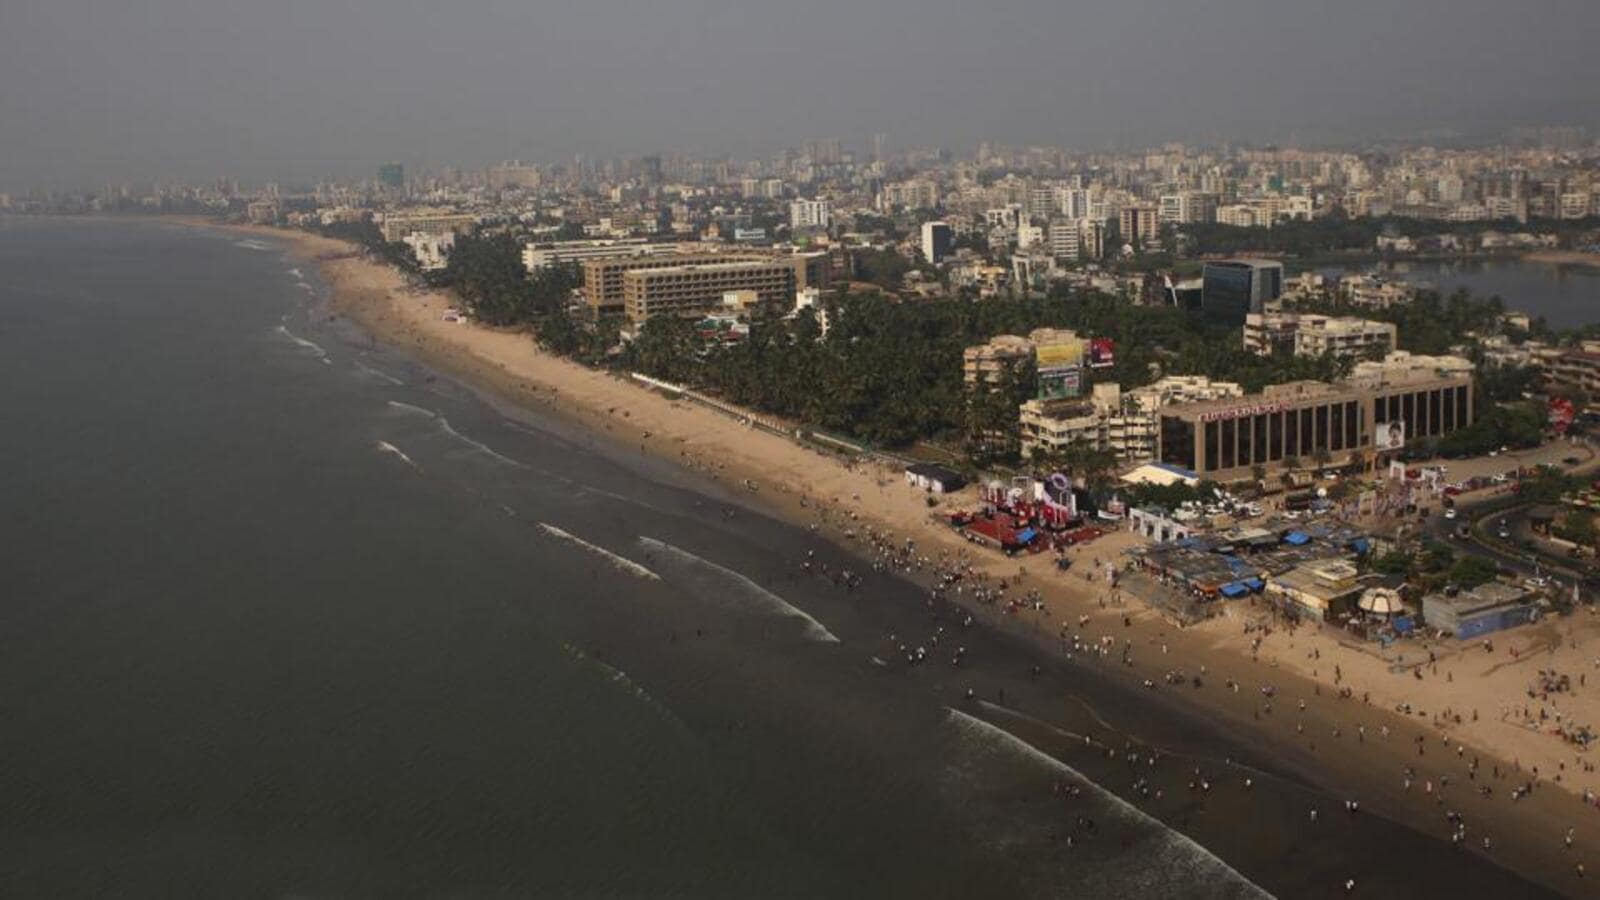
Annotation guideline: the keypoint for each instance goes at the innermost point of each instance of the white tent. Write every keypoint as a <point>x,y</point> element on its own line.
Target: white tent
<point>1380,602</point>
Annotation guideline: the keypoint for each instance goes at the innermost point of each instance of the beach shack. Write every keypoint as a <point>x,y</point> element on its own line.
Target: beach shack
<point>1157,524</point>
<point>1317,589</point>
<point>933,478</point>
<point>1482,610</point>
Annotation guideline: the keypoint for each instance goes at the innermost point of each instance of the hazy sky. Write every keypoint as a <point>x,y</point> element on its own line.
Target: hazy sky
<point>111,89</point>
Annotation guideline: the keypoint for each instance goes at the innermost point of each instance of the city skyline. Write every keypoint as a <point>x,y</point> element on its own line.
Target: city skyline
<point>176,90</point>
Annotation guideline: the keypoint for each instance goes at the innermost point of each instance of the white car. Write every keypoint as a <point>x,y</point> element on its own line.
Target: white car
<point>1450,513</point>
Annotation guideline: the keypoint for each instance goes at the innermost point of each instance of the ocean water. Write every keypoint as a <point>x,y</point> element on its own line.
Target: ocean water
<point>285,614</point>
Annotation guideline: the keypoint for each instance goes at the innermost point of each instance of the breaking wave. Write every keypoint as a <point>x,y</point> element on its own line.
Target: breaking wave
<point>299,341</point>
<point>386,447</point>
<point>762,597</point>
<point>379,374</point>
<point>444,425</point>
<point>622,563</point>
<point>1171,857</point>
<point>620,678</point>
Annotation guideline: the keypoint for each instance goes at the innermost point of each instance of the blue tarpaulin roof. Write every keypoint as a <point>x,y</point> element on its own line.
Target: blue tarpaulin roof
<point>1297,538</point>
<point>1361,545</point>
<point>1254,584</point>
<point>1403,624</point>
<point>1236,564</point>
<point>1234,589</point>
<point>1026,535</point>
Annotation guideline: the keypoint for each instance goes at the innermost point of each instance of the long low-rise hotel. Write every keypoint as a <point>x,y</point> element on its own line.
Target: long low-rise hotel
<point>698,288</point>
<point>1375,414</point>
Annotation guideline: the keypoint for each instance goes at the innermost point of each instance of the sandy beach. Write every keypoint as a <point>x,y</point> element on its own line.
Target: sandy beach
<point>1330,708</point>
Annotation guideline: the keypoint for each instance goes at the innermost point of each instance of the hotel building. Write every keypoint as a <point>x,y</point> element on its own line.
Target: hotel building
<point>1352,422</point>
<point>396,227</point>
<point>697,287</point>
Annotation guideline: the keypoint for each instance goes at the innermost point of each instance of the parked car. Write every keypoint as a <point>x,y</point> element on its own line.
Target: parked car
<point>1450,513</point>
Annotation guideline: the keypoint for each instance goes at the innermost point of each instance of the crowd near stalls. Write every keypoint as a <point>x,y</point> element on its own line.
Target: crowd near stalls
<point>1029,515</point>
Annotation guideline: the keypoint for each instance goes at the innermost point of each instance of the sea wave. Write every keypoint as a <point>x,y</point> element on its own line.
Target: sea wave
<point>444,426</point>
<point>622,563</point>
<point>620,678</point>
<point>299,341</point>
<point>376,373</point>
<point>749,589</point>
<point>386,447</point>
<point>249,244</point>
<point>1173,859</point>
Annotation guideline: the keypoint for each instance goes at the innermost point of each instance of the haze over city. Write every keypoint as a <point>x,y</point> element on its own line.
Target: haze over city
<point>897,449</point>
<point>197,88</point>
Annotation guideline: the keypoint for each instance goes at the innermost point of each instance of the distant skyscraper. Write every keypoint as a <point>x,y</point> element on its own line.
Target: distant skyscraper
<point>1234,288</point>
<point>392,175</point>
<point>937,239</point>
<point>880,144</point>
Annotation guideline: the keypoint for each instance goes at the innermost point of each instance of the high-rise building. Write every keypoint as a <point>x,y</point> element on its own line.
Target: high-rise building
<point>392,175</point>
<point>1140,225</point>
<point>1065,239</point>
<point>809,214</point>
<point>1232,289</point>
<point>937,239</point>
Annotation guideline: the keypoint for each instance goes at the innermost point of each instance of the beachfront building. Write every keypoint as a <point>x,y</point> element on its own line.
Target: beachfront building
<point>987,364</point>
<point>1052,426</point>
<point>547,254</point>
<point>1316,589</point>
<point>396,226</point>
<point>696,288</point>
<point>432,251</point>
<point>1473,613</point>
<point>603,277</point>
<point>1307,334</point>
<point>1377,412</point>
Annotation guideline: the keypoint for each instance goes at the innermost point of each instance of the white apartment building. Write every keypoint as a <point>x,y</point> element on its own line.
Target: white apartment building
<point>432,251</point>
<point>1065,239</point>
<point>1122,423</point>
<point>809,214</point>
<point>538,256</point>
<point>1307,334</point>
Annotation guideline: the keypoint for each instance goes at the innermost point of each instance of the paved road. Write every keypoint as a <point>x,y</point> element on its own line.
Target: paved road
<point>1484,511</point>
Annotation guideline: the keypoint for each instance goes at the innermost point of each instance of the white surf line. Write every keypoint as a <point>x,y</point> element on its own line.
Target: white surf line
<point>814,630</point>
<point>406,407</point>
<point>481,447</point>
<point>622,680</point>
<point>386,447</point>
<point>302,342</point>
<point>380,374</point>
<point>444,425</point>
<point>621,562</point>
<point>1174,838</point>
